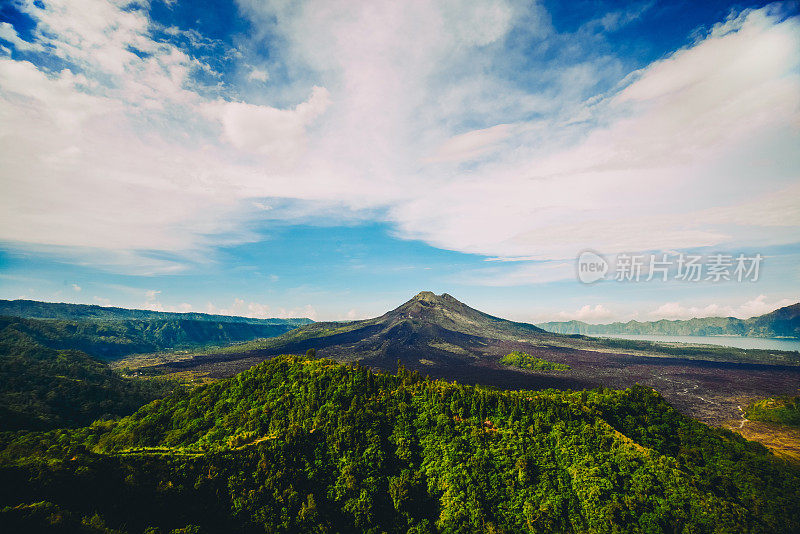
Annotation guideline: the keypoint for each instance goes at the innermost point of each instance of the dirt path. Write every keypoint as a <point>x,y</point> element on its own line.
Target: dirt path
<point>254,442</point>
<point>744,417</point>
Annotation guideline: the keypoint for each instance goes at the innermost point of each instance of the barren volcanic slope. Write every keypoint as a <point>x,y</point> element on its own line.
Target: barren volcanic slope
<point>436,334</point>
<point>444,338</point>
<point>432,329</point>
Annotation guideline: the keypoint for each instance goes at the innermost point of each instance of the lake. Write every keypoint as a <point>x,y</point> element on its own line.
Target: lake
<point>725,341</point>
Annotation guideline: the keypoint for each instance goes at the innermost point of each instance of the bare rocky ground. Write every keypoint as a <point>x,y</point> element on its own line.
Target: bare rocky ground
<point>709,391</point>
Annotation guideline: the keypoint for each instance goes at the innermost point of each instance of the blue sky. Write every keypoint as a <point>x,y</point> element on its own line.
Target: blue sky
<point>330,159</point>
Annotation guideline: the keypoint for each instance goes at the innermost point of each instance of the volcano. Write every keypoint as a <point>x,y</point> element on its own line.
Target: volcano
<point>429,330</point>
<point>435,334</point>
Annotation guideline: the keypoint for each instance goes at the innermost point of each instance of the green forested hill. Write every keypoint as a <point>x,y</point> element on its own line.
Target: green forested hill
<point>113,339</point>
<point>49,377</point>
<point>44,388</point>
<point>297,445</point>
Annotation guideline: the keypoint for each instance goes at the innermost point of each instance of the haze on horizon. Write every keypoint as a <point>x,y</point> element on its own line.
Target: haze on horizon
<point>331,159</point>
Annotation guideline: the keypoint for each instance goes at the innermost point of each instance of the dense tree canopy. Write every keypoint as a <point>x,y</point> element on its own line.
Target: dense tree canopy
<point>523,360</point>
<point>299,445</point>
<point>44,388</point>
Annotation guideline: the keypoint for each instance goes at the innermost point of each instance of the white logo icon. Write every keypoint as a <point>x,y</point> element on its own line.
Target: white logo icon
<point>591,267</point>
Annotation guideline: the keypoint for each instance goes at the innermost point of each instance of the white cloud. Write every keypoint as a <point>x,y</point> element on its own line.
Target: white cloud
<point>751,308</point>
<point>72,144</point>
<point>616,20</point>
<point>76,287</point>
<point>308,312</point>
<point>472,144</point>
<point>400,115</point>
<point>243,309</point>
<point>119,153</point>
<point>276,133</point>
<point>258,75</point>
<point>589,314</point>
<point>153,303</point>
<point>686,133</point>
<point>518,275</point>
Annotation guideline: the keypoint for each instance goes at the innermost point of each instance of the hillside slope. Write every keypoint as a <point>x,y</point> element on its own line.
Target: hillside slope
<point>296,445</point>
<point>43,388</point>
<point>112,339</point>
<point>783,322</point>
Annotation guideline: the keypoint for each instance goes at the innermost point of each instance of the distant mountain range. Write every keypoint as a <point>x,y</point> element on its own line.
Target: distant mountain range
<point>33,309</point>
<point>783,322</point>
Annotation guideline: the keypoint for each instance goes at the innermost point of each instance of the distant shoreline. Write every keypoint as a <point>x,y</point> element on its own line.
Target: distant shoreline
<point>741,342</point>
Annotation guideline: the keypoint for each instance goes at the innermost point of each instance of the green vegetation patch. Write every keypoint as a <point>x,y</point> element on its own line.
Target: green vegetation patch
<point>523,360</point>
<point>780,410</point>
<point>299,445</point>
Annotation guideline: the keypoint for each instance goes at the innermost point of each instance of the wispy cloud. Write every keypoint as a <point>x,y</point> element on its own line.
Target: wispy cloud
<point>8,33</point>
<point>243,308</point>
<point>518,274</point>
<point>587,313</point>
<point>258,75</point>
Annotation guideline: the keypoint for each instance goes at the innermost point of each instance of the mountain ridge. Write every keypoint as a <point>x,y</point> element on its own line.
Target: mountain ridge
<point>112,339</point>
<point>783,322</point>
<point>35,309</point>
